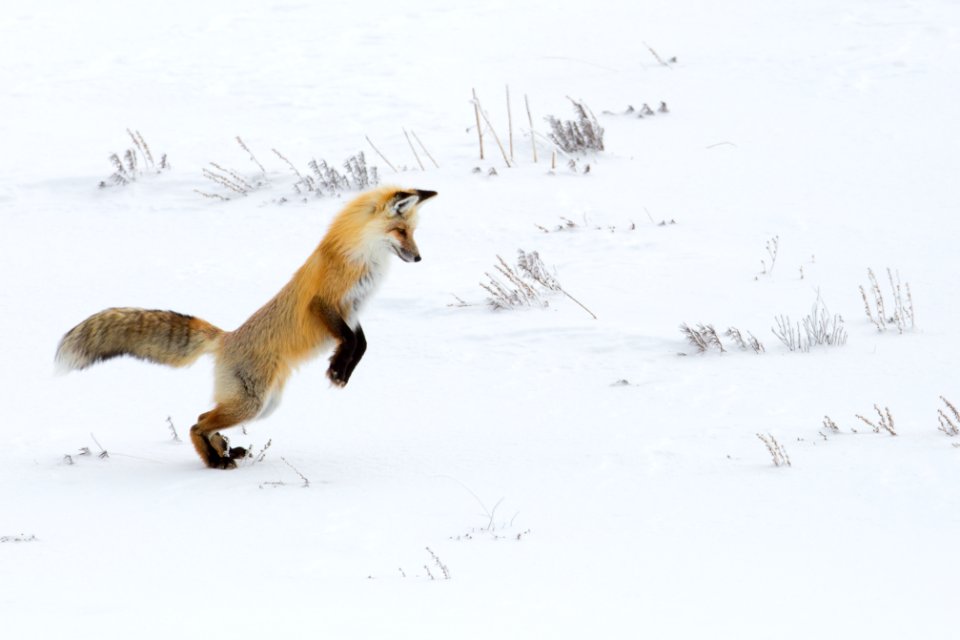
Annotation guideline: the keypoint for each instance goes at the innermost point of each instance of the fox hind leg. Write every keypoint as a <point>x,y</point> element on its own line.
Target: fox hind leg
<point>210,444</point>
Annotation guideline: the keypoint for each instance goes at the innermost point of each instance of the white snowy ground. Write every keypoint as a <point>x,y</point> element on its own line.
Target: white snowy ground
<point>642,510</point>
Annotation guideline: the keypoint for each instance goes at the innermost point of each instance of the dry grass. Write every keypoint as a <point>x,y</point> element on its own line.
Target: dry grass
<point>704,337</point>
<point>526,284</point>
<point>884,423</point>
<point>135,162</point>
<point>816,328</point>
<point>777,452</point>
<point>582,135</point>
<point>900,315</point>
<point>950,419</point>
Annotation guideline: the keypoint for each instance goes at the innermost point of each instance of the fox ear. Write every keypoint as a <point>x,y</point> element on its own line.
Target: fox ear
<point>404,201</point>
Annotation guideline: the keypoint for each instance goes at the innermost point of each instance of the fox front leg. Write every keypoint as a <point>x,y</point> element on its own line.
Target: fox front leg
<point>347,355</point>
<point>351,343</point>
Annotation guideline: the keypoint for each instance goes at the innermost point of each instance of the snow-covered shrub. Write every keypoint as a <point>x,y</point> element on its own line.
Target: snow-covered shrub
<point>136,161</point>
<point>777,452</point>
<point>526,284</point>
<point>902,313</point>
<point>705,337</point>
<point>577,136</point>
<point>949,423</point>
<point>326,180</point>
<point>885,422</point>
<point>817,328</point>
<point>773,247</point>
<point>232,180</point>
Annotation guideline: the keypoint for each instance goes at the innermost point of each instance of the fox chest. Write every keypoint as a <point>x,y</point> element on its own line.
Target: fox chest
<point>362,290</point>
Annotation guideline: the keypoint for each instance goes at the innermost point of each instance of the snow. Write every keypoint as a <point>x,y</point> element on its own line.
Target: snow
<point>562,503</point>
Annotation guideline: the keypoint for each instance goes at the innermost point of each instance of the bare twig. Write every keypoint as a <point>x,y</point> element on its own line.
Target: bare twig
<point>440,565</point>
<point>306,483</point>
<point>657,56</point>
<point>885,421</point>
<point>830,425</point>
<point>476,112</point>
<point>777,452</point>
<point>694,337</point>
<point>382,157</point>
<point>103,452</point>
<point>949,425</point>
<point>496,138</point>
<point>417,138</point>
<point>509,123</point>
<point>289,164</point>
<point>412,148</point>
<point>533,134</point>
<point>173,429</point>
<point>253,158</point>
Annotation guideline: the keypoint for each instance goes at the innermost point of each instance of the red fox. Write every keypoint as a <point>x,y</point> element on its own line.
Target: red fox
<point>315,310</point>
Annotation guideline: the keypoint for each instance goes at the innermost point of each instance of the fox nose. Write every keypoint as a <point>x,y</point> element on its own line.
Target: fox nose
<point>418,258</point>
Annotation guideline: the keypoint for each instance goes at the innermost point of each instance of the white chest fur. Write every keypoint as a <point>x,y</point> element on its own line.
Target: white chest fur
<point>364,288</point>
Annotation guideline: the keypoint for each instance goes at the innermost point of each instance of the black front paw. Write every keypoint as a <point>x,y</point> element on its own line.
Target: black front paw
<point>338,372</point>
<point>337,376</point>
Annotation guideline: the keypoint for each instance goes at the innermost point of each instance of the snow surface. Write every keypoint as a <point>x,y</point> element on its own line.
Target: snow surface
<point>563,504</point>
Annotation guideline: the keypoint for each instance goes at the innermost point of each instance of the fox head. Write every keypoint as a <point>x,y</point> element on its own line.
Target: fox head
<point>379,222</point>
<point>400,212</point>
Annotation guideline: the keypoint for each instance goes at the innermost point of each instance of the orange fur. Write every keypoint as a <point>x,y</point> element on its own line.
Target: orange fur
<point>315,310</point>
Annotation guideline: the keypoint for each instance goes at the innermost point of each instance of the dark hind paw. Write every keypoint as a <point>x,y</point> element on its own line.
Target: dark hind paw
<point>222,463</point>
<point>238,453</point>
<point>221,455</point>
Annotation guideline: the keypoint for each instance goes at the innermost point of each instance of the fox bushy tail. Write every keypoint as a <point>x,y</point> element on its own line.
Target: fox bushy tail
<point>164,337</point>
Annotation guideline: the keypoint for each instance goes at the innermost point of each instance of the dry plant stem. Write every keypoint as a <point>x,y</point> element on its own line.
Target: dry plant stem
<point>581,305</point>
<point>734,333</point>
<point>533,135</point>
<point>417,138</point>
<point>141,145</point>
<point>946,424</point>
<point>103,452</point>
<point>173,429</point>
<point>953,409</point>
<point>950,426</point>
<point>714,338</point>
<point>878,296</point>
<point>897,301</point>
<point>382,157</point>
<point>694,337</point>
<point>509,123</point>
<point>886,421</point>
<point>237,179</point>
<point>496,138</point>
<point>903,316</point>
<point>224,181</point>
<point>306,483</point>
<point>476,112</point>
<point>866,307</point>
<point>412,148</point>
<point>910,303</point>
<point>830,425</point>
<point>657,56</point>
<point>440,565</point>
<point>216,196</point>
<point>253,158</point>
<point>777,452</point>
<point>289,164</point>
<point>533,266</point>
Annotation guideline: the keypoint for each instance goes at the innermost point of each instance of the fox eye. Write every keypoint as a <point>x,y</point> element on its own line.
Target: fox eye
<point>401,232</point>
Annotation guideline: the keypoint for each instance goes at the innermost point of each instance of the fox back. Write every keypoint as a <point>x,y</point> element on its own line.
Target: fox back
<point>316,309</point>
